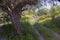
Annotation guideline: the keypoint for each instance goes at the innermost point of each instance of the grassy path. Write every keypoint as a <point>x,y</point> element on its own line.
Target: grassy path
<point>54,33</point>
<point>38,33</point>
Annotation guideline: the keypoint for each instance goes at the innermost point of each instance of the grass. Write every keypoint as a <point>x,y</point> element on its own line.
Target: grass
<point>53,25</point>
<point>27,28</point>
<point>10,33</point>
<point>45,32</point>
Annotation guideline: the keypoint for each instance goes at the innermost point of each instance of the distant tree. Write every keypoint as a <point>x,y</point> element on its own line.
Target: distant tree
<point>55,10</point>
<point>14,9</point>
<point>43,11</point>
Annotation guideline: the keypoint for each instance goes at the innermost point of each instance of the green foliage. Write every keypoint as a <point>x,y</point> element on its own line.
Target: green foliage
<point>24,19</point>
<point>56,21</point>
<point>55,10</point>
<point>29,32</point>
<point>43,12</point>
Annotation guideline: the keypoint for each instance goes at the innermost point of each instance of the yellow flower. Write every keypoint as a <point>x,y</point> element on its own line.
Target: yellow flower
<point>48,19</point>
<point>30,16</point>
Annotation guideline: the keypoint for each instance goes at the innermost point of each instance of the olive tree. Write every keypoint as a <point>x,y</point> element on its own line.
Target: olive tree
<point>55,10</point>
<point>14,9</point>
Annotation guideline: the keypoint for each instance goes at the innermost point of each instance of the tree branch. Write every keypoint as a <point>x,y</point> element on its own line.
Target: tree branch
<point>23,3</point>
<point>4,8</point>
<point>19,6</point>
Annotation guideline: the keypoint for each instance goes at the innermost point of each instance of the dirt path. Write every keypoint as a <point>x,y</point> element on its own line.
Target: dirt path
<point>38,33</point>
<point>53,32</point>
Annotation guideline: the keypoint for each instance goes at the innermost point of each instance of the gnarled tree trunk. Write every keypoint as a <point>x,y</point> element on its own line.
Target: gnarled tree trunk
<point>12,8</point>
<point>15,18</point>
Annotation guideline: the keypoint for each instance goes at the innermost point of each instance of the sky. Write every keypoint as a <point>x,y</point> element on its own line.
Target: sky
<point>46,4</point>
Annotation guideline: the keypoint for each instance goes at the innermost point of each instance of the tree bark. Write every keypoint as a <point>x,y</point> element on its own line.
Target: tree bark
<point>15,18</point>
